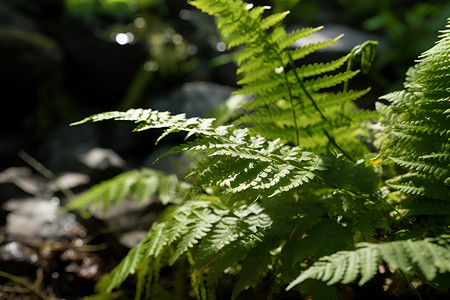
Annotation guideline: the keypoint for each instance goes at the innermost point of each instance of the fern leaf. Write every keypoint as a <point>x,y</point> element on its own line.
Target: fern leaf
<point>302,52</point>
<point>328,81</point>
<point>142,183</point>
<point>196,229</point>
<point>130,263</point>
<point>321,68</point>
<point>238,229</point>
<point>285,40</point>
<point>416,128</point>
<point>161,236</point>
<point>369,263</point>
<point>273,19</point>
<point>415,164</point>
<point>429,256</point>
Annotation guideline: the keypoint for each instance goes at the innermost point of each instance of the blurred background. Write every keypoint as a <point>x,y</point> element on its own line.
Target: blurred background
<point>62,60</point>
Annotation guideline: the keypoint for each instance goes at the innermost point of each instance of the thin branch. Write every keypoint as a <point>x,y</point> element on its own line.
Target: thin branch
<point>30,286</point>
<point>44,171</point>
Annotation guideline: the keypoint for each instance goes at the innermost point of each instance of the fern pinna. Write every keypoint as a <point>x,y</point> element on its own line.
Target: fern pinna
<point>265,207</point>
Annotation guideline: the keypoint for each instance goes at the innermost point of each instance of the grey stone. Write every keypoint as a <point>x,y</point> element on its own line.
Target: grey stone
<point>38,217</point>
<point>132,238</point>
<point>102,159</point>
<point>69,181</point>
<point>196,99</point>
<point>20,181</point>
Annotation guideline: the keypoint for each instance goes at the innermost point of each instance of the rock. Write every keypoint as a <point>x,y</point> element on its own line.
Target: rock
<point>69,181</point>
<point>13,251</point>
<point>132,238</point>
<point>101,164</point>
<point>38,217</point>
<point>196,99</point>
<point>102,159</point>
<point>20,182</point>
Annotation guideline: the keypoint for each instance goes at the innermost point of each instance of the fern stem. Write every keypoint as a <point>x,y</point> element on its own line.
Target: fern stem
<point>302,85</point>
<point>45,172</point>
<point>309,96</point>
<point>294,116</point>
<point>333,142</point>
<point>30,286</point>
<point>411,286</point>
<point>349,66</point>
<point>291,98</point>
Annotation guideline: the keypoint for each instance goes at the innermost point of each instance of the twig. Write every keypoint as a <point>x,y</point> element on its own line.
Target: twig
<point>44,171</point>
<point>411,286</point>
<point>30,286</point>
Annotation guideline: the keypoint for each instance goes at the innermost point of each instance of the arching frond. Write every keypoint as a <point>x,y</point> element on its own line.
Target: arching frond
<point>417,125</point>
<point>140,184</point>
<point>430,256</point>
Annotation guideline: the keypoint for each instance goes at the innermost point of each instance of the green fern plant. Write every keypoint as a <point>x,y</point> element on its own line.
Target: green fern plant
<point>290,182</point>
<point>415,136</point>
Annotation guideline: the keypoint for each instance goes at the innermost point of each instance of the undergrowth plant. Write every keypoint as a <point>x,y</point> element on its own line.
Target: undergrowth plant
<point>289,196</point>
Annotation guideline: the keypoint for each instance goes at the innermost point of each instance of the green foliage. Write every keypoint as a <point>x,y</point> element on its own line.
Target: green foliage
<point>141,184</point>
<point>290,103</point>
<point>429,256</point>
<point>417,126</point>
<point>416,137</point>
<point>287,193</point>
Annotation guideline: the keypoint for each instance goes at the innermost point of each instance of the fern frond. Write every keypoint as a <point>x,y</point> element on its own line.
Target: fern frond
<point>264,166</point>
<point>130,263</point>
<point>142,184</point>
<point>430,256</point>
<point>424,187</point>
<point>285,40</point>
<point>240,226</point>
<point>326,81</point>
<point>266,63</point>
<point>270,21</point>
<point>417,164</point>
<point>196,229</point>
<point>316,69</point>
<point>304,51</point>
<point>160,237</point>
<point>148,118</point>
<point>416,134</point>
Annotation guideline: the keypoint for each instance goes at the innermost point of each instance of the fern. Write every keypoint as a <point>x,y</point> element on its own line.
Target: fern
<point>290,181</point>
<point>142,184</point>
<point>417,125</point>
<point>415,137</point>
<point>218,229</point>
<point>430,256</point>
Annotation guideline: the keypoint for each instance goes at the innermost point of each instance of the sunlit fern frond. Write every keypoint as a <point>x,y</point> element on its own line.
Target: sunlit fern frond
<point>416,133</point>
<point>429,256</point>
